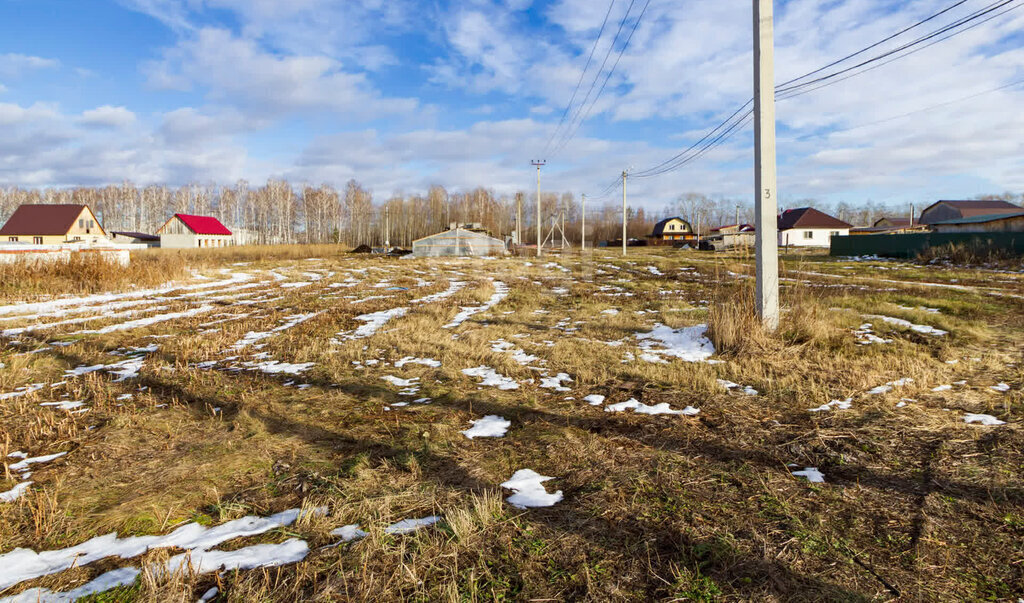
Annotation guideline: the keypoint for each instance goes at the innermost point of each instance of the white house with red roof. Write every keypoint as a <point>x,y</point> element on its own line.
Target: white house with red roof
<point>808,227</point>
<point>184,231</point>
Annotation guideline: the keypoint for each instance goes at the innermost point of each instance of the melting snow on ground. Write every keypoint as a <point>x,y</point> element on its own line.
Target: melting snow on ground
<point>982,419</point>
<point>643,409</point>
<point>906,324</point>
<point>839,404</point>
<point>407,526</point>
<point>555,382</point>
<point>811,474</point>
<point>528,488</point>
<point>594,399</point>
<point>500,293</point>
<point>491,378</point>
<point>412,360</point>
<point>491,426</point>
<point>882,389</point>
<point>349,533</point>
<point>689,343</point>
<point>374,322</point>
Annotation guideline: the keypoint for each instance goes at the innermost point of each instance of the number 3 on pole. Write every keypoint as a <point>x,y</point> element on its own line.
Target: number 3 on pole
<point>767,193</point>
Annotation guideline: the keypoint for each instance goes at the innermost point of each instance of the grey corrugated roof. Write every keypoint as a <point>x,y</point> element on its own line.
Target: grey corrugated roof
<point>982,219</point>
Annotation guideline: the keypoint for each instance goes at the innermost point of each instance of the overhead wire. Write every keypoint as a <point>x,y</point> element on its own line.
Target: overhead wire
<point>579,81</point>
<point>738,119</point>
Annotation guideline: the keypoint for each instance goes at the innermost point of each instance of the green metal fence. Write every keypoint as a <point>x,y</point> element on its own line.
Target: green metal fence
<point>911,245</point>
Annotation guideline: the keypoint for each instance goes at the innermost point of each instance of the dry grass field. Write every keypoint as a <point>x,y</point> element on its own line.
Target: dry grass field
<point>225,413</point>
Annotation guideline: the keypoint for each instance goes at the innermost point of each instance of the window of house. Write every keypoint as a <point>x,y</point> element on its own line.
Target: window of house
<point>12,239</point>
<point>808,234</point>
<point>81,222</point>
<point>37,240</point>
<point>834,233</point>
<point>671,226</point>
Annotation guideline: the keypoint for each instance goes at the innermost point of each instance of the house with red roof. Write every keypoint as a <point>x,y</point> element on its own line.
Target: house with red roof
<point>184,231</point>
<point>808,227</point>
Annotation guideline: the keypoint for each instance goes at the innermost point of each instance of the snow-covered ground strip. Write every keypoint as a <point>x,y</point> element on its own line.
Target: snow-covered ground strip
<point>982,419</point>
<point>15,331</point>
<point>53,307</point>
<point>490,378</point>
<point>413,360</point>
<point>1001,387</point>
<point>906,324</point>
<point>519,355</point>
<point>274,367</point>
<point>555,382</point>
<point>453,288</point>
<point>24,564</point>
<point>14,493</point>
<point>811,474</point>
<point>491,426</point>
<point>594,399</point>
<point>24,464</point>
<point>888,387</point>
<point>256,336</point>
<point>500,293</point>
<point>839,404</point>
<point>658,409</point>
<point>22,391</point>
<point>729,385</point>
<point>529,491</point>
<point>204,561</point>
<point>349,533</point>
<point>374,322</point>
<point>126,369</point>
<point>400,382</point>
<point>689,343</point>
<point>149,320</point>
<point>102,583</point>
<point>866,336</point>
<point>407,526</point>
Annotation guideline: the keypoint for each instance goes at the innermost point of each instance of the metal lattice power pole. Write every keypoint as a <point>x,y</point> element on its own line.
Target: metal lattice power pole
<point>538,163</point>
<point>623,212</point>
<point>766,208</point>
<point>583,228</point>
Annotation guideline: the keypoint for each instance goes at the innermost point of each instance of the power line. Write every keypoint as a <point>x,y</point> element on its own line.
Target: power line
<point>730,125</point>
<point>583,73</point>
<point>577,120</point>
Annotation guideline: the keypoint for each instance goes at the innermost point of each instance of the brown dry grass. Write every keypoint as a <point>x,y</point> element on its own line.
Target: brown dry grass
<point>83,275</point>
<point>656,508</point>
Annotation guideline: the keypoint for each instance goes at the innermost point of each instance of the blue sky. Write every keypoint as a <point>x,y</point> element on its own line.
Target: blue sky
<point>402,94</point>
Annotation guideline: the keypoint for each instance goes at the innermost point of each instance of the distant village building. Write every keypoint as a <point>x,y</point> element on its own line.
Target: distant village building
<point>457,242</point>
<point>135,238</point>
<point>672,230</point>
<point>889,226</point>
<point>183,231</point>
<point>808,227</point>
<point>942,211</point>
<point>730,235</point>
<point>1007,222</point>
<point>53,225</point>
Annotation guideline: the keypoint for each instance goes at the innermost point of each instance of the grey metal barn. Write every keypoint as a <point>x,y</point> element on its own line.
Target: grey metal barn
<point>456,242</point>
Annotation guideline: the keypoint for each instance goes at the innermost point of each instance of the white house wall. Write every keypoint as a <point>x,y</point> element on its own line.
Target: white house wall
<point>820,237</point>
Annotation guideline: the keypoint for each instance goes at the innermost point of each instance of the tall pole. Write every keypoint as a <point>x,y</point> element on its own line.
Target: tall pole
<point>583,228</point>
<point>623,212</point>
<point>911,214</point>
<point>387,229</point>
<point>562,229</point>
<point>538,163</point>
<point>766,197</point>
<point>519,218</point>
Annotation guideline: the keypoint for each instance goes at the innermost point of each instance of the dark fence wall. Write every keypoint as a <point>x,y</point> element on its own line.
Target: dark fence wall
<point>911,245</point>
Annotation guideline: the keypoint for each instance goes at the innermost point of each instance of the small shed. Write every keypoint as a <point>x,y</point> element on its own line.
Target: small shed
<point>135,238</point>
<point>184,231</point>
<point>457,241</point>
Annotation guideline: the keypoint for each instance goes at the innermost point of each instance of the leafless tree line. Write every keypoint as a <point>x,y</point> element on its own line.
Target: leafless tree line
<point>281,213</point>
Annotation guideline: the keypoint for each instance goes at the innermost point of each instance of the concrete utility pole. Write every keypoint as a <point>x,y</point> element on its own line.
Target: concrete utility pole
<point>911,214</point>
<point>538,163</point>
<point>387,229</point>
<point>624,212</point>
<point>519,218</point>
<point>766,197</point>
<point>583,228</point>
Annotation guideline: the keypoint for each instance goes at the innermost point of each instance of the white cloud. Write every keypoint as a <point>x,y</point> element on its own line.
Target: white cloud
<point>239,73</point>
<point>12,64</point>
<point>107,117</point>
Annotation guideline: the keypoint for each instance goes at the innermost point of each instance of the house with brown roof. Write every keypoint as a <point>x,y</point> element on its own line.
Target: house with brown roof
<point>942,211</point>
<point>184,231</point>
<point>53,224</point>
<point>808,227</point>
<point>672,230</point>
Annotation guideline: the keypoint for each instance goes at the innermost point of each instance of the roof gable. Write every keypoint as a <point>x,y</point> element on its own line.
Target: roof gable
<point>44,219</point>
<point>808,217</point>
<point>659,227</point>
<point>202,225</point>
